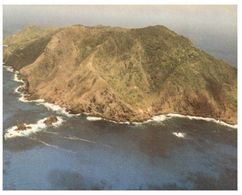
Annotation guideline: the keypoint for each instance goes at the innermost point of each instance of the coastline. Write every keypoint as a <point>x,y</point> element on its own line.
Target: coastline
<point>164,117</point>
<point>48,105</point>
<point>91,117</point>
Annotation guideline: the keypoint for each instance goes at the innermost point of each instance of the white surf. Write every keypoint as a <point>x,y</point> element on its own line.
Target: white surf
<point>31,128</point>
<point>8,68</point>
<point>93,118</point>
<point>179,134</point>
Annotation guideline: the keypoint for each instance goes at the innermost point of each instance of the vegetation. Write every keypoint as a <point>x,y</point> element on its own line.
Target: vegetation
<point>25,46</point>
<point>124,74</point>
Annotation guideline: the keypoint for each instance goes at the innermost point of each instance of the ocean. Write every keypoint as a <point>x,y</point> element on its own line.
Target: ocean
<point>82,152</point>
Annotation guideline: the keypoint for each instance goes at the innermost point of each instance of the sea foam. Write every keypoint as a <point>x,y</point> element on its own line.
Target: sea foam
<point>16,78</point>
<point>17,89</point>
<point>179,134</point>
<point>162,118</point>
<point>93,118</point>
<point>8,68</point>
<point>32,128</point>
<point>159,118</point>
<point>58,109</point>
<point>203,118</point>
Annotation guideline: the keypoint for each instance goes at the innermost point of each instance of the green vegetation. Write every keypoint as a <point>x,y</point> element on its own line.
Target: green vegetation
<point>25,46</point>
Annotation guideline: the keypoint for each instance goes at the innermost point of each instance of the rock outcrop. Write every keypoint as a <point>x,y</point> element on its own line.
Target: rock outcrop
<point>50,120</point>
<point>22,127</point>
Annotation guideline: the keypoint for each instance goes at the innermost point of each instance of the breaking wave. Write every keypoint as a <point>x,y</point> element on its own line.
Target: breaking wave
<point>8,68</point>
<point>162,118</point>
<point>57,109</point>
<point>202,118</point>
<point>31,128</point>
<point>16,78</point>
<point>179,134</point>
<point>17,89</point>
<point>94,118</point>
<point>158,118</point>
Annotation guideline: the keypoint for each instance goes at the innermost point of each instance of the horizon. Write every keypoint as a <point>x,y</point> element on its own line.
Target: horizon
<point>212,28</point>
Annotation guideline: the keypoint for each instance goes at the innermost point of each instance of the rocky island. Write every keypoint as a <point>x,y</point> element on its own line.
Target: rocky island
<point>50,120</point>
<point>122,74</point>
<point>22,127</point>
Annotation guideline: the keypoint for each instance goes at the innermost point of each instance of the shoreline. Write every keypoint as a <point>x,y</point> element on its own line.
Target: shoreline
<point>48,105</point>
<point>90,117</point>
<point>163,117</point>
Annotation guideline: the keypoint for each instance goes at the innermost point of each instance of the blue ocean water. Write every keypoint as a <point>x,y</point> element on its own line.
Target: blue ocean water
<point>82,154</point>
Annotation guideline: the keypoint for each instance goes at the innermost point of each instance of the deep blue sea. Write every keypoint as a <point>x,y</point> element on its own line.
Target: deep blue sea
<point>177,153</point>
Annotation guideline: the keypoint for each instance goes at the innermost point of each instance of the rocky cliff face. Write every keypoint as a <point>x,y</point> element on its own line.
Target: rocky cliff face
<point>123,74</point>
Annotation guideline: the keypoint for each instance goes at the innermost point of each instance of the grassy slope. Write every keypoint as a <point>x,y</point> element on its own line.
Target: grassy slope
<point>25,46</point>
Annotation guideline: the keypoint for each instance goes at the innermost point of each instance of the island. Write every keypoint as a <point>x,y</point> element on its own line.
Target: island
<point>122,74</point>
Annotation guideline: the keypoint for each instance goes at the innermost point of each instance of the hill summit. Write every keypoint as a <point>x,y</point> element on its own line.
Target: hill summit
<point>123,74</point>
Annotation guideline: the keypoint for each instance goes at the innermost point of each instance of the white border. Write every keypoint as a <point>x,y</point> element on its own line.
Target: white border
<point>124,2</point>
<point>167,2</point>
